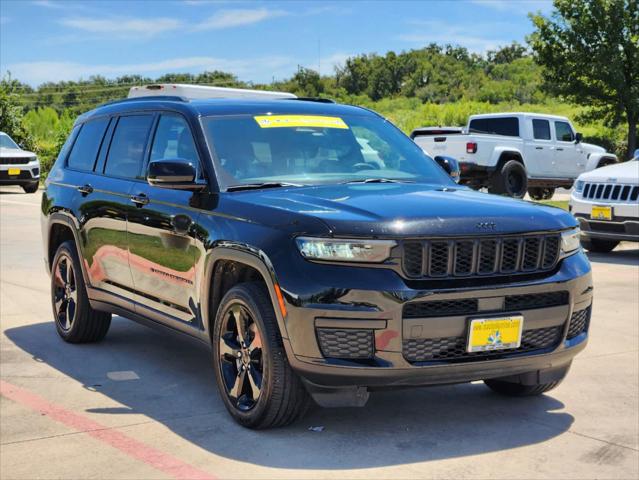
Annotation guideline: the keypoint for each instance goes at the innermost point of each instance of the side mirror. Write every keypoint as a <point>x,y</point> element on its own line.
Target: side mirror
<point>173,174</point>
<point>450,165</point>
<point>578,137</point>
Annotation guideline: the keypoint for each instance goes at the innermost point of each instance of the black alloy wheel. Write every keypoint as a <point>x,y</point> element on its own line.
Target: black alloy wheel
<point>241,357</point>
<point>65,292</point>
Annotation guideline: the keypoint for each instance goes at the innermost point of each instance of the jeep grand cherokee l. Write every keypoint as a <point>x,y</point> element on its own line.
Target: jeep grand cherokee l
<point>313,266</point>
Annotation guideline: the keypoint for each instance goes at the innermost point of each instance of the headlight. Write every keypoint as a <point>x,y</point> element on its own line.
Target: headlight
<point>372,251</point>
<point>570,241</point>
<point>579,186</point>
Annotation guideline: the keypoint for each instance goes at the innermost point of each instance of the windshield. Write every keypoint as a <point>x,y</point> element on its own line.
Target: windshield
<point>313,150</point>
<point>6,142</point>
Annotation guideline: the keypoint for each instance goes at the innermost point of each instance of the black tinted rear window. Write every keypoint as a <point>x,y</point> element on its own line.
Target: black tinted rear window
<point>86,146</point>
<point>508,126</point>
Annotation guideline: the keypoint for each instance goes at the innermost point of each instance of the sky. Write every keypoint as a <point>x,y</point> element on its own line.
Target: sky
<point>49,40</point>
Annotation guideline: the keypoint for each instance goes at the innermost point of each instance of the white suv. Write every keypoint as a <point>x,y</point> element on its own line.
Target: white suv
<point>606,203</point>
<point>17,166</point>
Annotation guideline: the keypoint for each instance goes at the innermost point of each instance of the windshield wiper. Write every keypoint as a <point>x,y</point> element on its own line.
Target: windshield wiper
<point>379,180</point>
<point>255,186</point>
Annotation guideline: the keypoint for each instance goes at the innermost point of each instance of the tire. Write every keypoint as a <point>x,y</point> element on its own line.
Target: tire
<point>598,245</point>
<point>548,193</point>
<point>30,188</point>
<point>75,320</point>
<point>510,180</point>
<point>281,396</point>
<point>518,390</point>
<point>536,193</point>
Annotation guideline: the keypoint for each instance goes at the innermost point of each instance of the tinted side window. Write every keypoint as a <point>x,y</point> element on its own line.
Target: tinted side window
<point>126,154</point>
<point>541,129</point>
<point>87,144</point>
<point>508,126</point>
<point>563,132</point>
<point>174,141</point>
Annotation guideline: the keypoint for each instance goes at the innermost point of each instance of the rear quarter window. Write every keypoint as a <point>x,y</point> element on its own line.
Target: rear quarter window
<point>508,126</point>
<point>87,144</point>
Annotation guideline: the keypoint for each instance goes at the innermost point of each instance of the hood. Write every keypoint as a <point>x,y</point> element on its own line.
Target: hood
<point>403,210</point>
<point>627,172</point>
<point>15,153</point>
<point>590,148</point>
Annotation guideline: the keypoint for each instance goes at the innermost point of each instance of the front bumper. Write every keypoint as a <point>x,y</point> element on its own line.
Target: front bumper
<point>624,225</point>
<point>28,173</point>
<point>382,311</point>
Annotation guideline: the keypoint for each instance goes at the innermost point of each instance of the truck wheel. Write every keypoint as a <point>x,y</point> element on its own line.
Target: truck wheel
<point>30,188</point>
<point>510,180</point>
<point>518,390</point>
<point>536,193</point>
<point>548,193</point>
<point>598,245</point>
<point>256,383</point>
<point>75,320</point>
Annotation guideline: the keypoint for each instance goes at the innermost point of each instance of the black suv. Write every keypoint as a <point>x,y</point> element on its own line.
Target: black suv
<point>314,246</point>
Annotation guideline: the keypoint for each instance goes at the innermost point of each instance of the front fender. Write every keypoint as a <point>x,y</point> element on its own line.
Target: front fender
<point>248,255</point>
<point>595,158</point>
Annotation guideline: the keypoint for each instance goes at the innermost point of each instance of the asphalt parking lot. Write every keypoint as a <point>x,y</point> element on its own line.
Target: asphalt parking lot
<point>143,404</point>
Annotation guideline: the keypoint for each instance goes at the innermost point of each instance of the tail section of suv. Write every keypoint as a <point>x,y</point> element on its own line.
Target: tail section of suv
<point>316,249</point>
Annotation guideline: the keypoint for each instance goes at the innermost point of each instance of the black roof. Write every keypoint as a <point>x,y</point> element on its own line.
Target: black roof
<point>226,107</point>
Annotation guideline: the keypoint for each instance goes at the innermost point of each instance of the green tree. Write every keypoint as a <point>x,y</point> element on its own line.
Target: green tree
<point>590,51</point>
<point>11,114</point>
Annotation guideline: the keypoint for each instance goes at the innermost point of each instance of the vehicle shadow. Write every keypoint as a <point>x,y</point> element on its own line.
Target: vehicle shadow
<point>176,388</point>
<point>628,256</point>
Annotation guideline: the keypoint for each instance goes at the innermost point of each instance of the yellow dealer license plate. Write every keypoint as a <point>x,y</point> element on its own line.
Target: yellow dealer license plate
<point>495,333</point>
<point>14,171</point>
<point>601,213</point>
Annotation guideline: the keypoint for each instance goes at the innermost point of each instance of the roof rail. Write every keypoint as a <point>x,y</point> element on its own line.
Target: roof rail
<point>192,92</point>
<point>313,99</point>
<point>166,98</point>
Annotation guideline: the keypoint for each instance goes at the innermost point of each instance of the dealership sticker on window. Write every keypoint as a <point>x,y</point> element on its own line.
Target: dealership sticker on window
<point>279,121</point>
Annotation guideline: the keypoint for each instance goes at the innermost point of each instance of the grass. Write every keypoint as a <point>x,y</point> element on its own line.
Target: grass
<point>556,203</point>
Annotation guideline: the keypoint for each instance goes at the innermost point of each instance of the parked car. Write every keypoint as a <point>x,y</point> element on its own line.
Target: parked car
<point>314,264</point>
<point>18,166</point>
<point>606,203</point>
<point>515,153</point>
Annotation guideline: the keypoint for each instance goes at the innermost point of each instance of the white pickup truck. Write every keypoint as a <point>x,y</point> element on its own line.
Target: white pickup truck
<point>511,153</point>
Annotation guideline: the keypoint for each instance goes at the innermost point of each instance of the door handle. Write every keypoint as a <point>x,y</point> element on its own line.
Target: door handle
<point>539,148</point>
<point>85,189</point>
<point>140,200</point>
<point>560,149</point>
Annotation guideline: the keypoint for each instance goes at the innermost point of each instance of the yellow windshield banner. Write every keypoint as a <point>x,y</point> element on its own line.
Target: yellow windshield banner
<point>279,121</point>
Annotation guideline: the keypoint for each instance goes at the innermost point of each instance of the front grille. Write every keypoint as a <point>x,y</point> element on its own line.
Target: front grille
<point>347,343</point>
<point>441,308</point>
<point>15,161</point>
<point>578,323</point>
<point>480,256</point>
<point>454,348</point>
<point>470,306</point>
<point>610,227</point>
<point>538,300</point>
<point>24,175</point>
<point>615,193</point>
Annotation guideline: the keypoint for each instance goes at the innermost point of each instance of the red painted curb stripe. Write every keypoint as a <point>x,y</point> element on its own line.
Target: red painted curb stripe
<point>127,445</point>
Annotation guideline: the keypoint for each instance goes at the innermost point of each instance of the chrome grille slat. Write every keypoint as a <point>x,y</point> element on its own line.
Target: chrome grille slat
<point>610,192</point>
<point>466,257</point>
